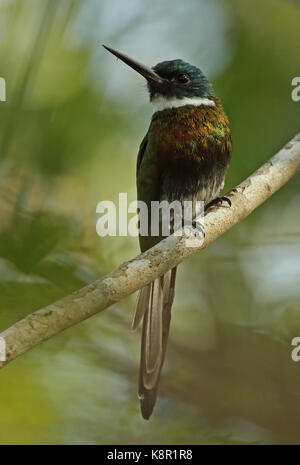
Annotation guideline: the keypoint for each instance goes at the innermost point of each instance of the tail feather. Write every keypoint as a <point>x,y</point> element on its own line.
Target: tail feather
<point>157,299</point>
<point>153,333</point>
<point>141,305</point>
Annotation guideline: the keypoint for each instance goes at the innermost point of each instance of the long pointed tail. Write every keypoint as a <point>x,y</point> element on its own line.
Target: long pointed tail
<point>154,304</point>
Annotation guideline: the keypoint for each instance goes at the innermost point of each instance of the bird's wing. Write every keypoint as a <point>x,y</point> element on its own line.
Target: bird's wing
<point>155,300</point>
<point>148,183</point>
<point>141,153</point>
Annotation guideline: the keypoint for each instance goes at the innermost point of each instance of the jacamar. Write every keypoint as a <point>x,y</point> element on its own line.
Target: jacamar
<point>184,156</point>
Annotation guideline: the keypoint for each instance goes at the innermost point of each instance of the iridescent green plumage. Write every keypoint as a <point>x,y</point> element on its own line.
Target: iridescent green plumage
<point>184,156</point>
<point>199,85</point>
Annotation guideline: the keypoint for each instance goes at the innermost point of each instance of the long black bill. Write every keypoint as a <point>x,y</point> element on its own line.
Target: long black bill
<point>144,70</point>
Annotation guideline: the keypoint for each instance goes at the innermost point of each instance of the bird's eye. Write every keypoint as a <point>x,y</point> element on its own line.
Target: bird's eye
<point>183,78</point>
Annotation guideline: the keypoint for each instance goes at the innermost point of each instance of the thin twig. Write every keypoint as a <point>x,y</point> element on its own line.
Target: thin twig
<point>132,275</point>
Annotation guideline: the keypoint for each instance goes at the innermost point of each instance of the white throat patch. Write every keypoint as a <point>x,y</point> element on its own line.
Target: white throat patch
<point>161,103</point>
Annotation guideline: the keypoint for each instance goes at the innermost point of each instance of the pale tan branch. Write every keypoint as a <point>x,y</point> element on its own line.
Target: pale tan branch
<point>132,275</point>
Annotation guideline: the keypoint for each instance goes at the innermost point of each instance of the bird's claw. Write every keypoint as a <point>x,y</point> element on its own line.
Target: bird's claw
<point>217,201</point>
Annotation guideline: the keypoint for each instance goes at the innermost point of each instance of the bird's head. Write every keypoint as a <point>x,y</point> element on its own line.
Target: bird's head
<point>180,80</point>
<point>174,80</point>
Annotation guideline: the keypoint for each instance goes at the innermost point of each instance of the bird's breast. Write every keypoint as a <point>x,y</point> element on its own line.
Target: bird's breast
<point>193,147</point>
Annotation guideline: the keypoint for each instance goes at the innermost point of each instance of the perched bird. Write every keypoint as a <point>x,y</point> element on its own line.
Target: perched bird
<point>183,156</point>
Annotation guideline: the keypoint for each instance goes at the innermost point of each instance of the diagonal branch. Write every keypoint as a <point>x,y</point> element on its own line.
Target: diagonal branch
<point>132,275</point>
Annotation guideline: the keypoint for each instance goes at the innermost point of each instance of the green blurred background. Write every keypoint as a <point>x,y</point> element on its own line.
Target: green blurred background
<point>69,135</point>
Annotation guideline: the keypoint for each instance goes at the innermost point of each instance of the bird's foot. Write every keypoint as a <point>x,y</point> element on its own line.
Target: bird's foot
<point>217,201</point>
